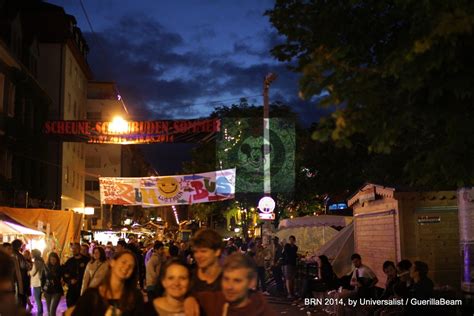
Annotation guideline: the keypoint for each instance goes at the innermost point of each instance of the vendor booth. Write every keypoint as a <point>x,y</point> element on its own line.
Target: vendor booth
<point>60,227</point>
<point>393,224</point>
<point>34,239</point>
<point>312,232</point>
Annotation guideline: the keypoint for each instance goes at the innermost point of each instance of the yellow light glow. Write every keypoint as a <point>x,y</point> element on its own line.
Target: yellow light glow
<point>118,126</point>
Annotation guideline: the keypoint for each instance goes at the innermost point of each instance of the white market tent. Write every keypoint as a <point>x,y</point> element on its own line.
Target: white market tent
<point>312,232</point>
<point>339,250</point>
<point>7,228</point>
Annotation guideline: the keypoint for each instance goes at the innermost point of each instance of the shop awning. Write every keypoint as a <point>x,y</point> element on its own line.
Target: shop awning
<point>7,228</point>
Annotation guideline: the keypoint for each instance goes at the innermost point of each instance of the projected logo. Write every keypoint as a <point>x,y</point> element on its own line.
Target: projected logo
<point>241,146</point>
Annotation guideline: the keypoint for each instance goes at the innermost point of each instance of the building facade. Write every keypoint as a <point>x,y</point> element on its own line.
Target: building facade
<point>103,104</point>
<point>63,73</point>
<point>23,109</point>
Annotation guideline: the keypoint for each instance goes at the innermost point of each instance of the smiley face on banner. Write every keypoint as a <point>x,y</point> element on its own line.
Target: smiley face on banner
<point>168,186</point>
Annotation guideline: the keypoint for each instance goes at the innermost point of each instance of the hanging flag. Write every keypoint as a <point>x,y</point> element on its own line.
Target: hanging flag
<point>170,190</point>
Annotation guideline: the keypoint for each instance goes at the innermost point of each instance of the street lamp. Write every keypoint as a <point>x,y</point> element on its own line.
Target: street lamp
<point>266,134</point>
<point>118,125</point>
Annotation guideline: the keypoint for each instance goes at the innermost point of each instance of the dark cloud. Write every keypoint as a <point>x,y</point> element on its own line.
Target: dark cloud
<point>158,81</point>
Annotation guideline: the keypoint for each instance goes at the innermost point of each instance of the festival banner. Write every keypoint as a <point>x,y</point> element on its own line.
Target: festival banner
<point>125,132</point>
<point>170,190</point>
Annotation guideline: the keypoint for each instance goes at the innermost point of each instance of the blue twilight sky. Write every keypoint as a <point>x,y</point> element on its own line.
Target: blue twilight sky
<point>180,59</point>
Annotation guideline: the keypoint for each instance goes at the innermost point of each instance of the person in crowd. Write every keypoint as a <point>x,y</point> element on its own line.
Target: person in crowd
<point>29,260</point>
<point>121,246</point>
<point>277,260</point>
<point>363,279</point>
<point>405,281</point>
<point>74,273</point>
<point>109,250</point>
<point>173,251</point>
<point>261,253</point>
<point>85,251</point>
<point>117,294</point>
<point>153,269</point>
<point>392,279</point>
<point>231,247</point>
<point>37,274</point>
<point>96,269</point>
<point>421,288</point>
<point>53,289</point>
<point>207,248</point>
<point>236,297</point>
<point>326,273</point>
<point>133,246</point>
<point>175,280</point>
<point>21,273</point>
<point>148,252</point>
<point>8,306</point>
<point>290,256</point>
<point>7,248</point>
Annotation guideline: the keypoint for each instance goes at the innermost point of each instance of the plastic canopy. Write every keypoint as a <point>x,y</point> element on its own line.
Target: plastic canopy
<point>8,228</point>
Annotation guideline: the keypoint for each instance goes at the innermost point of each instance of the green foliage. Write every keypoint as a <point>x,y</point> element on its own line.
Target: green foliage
<point>399,76</point>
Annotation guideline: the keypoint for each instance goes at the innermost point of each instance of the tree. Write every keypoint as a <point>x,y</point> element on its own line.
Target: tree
<point>398,75</point>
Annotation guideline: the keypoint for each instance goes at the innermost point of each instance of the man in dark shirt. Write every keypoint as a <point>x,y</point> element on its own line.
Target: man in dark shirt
<point>392,279</point>
<point>74,273</point>
<point>207,248</point>
<point>290,254</point>
<point>277,260</point>
<point>21,272</point>
<point>422,288</point>
<point>236,297</point>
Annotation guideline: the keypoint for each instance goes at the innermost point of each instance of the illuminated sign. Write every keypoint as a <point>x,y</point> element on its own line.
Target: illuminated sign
<point>266,205</point>
<point>266,216</point>
<point>132,132</point>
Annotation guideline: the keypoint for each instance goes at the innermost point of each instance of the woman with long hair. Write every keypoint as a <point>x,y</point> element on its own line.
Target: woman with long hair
<point>117,294</point>
<point>53,289</point>
<point>325,272</point>
<point>175,280</point>
<point>96,269</point>
<point>36,274</point>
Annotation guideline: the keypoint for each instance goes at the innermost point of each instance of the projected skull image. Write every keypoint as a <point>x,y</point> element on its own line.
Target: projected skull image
<point>242,146</point>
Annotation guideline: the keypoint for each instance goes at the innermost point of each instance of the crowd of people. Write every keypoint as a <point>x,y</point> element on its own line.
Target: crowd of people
<point>205,276</point>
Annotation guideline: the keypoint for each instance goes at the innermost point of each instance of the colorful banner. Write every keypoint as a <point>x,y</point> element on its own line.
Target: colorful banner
<point>170,190</point>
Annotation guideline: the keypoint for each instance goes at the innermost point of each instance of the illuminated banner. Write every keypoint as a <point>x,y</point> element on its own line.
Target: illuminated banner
<point>133,132</point>
<point>170,190</point>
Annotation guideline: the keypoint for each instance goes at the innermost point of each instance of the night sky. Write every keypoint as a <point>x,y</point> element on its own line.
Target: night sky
<point>181,59</point>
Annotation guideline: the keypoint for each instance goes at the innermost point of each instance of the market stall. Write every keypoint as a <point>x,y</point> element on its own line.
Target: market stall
<point>34,239</point>
<point>61,227</point>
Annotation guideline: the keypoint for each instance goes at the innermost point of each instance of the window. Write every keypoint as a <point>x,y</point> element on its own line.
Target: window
<point>68,105</point>
<point>92,185</point>
<point>6,159</point>
<point>2,85</point>
<point>93,162</point>
<point>94,116</point>
<point>11,100</point>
